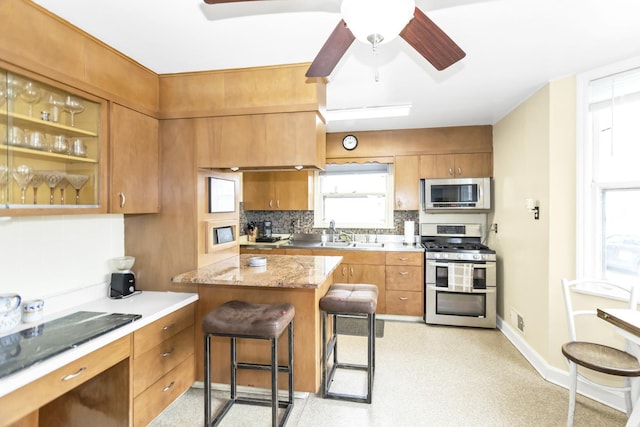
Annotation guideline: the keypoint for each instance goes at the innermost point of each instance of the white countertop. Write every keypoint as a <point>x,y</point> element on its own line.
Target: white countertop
<point>151,305</point>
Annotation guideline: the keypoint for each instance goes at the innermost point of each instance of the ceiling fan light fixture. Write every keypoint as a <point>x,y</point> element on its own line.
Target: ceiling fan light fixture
<point>377,21</point>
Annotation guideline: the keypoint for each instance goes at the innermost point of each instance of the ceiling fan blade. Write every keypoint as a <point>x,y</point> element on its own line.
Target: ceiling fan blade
<point>331,52</point>
<point>431,42</point>
<point>225,1</point>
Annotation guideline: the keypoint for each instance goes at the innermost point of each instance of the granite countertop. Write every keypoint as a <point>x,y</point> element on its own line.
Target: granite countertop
<point>281,271</point>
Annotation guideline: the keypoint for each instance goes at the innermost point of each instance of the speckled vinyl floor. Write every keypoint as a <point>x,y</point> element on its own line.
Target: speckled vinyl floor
<point>425,376</point>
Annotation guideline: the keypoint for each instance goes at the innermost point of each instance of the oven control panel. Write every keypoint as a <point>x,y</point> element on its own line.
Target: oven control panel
<point>460,256</point>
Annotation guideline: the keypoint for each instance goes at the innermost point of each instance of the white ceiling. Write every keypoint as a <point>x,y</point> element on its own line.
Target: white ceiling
<point>513,48</point>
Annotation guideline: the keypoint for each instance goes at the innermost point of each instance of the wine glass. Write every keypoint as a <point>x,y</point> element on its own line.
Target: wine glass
<point>62,184</point>
<point>4,172</point>
<point>52,178</point>
<point>36,181</point>
<point>73,107</point>
<point>23,175</point>
<point>77,182</point>
<point>30,94</point>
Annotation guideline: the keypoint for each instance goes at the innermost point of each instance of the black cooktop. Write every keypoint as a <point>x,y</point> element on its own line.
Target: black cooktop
<point>267,239</point>
<point>30,346</point>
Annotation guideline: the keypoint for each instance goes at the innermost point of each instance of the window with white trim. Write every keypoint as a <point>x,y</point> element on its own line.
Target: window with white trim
<point>354,195</point>
<point>609,181</point>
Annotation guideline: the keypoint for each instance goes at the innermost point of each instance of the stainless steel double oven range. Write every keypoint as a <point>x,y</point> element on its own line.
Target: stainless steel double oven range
<point>460,276</point>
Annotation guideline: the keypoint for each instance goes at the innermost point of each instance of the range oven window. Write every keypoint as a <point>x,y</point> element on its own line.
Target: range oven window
<point>456,193</point>
<point>461,304</point>
<point>479,276</point>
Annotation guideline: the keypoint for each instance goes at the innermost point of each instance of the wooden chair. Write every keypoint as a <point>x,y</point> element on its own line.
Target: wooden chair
<point>594,356</point>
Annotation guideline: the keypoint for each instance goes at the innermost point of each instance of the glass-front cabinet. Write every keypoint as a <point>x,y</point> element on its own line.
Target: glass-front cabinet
<point>51,153</point>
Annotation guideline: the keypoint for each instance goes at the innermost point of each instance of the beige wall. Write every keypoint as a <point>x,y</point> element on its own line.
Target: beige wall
<point>535,156</point>
<point>521,144</point>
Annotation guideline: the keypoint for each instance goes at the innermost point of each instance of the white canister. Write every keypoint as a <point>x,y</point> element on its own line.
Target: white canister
<point>32,310</point>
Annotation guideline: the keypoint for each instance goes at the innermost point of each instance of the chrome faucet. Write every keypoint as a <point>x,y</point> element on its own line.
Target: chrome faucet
<point>332,229</point>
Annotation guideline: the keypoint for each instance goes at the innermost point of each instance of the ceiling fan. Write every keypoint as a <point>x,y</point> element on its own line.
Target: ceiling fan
<point>410,23</point>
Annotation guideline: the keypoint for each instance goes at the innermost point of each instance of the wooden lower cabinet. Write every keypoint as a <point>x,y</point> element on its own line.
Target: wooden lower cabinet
<point>404,275</point>
<point>67,395</point>
<point>360,267</point>
<point>148,404</point>
<point>163,363</point>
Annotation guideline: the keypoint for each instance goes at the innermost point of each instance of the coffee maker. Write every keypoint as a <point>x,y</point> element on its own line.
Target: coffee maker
<point>123,280</point>
<point>267,227</point>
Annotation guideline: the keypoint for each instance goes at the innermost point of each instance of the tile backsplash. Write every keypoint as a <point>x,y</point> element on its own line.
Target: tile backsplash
<point>303,222</point>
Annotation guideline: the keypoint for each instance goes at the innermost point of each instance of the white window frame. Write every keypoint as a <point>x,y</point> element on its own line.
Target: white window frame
<point>589,239</point>
<point>319,222</point>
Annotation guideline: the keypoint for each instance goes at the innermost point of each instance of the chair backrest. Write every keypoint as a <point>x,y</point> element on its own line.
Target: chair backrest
<point>622,292</point>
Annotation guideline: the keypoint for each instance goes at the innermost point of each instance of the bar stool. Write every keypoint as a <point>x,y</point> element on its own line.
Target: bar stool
<point>355,300</point>
<point>239,319</point>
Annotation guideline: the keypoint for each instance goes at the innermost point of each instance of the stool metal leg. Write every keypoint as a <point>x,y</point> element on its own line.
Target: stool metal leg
<point>207,380</point>
<point>274,381</point>
<point>329,350</point>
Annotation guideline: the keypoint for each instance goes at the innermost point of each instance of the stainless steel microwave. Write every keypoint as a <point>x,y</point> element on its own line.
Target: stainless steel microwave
<point>472,194</point>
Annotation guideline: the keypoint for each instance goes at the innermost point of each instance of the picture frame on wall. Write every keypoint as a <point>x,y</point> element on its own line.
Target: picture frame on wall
<point>222,195</point>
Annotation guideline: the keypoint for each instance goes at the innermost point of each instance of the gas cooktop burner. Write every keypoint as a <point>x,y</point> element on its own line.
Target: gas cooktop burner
<point>455,247</point>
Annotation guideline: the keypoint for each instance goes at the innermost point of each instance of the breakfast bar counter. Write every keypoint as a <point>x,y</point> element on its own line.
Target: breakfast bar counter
<point>299,280</point>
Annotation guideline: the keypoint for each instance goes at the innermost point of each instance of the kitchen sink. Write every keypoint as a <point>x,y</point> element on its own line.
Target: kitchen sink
<point>336,244</point>
<point>367,245</point>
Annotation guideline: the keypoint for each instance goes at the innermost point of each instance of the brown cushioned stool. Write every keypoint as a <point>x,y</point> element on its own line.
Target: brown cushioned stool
<point>238,319</point>
<point>354,300</point>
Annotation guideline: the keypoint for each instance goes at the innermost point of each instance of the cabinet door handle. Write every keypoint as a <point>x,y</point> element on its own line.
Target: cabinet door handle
<point>278,203</point>
<point>451,171</point>
<point>168,353</point>
<point>404,273</point>
<point>344,271</point>
<point>270,203</point>
<point>351,270</point>
<point>75,374</point>
<point>459,171</point>
<point>404,259</point>
<point>123,199</point>
<point>169,387</point>
<point>169,326</point>
<point>404,298</point>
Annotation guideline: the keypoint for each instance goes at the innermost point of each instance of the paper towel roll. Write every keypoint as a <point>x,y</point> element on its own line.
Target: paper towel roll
<point>409,232</point>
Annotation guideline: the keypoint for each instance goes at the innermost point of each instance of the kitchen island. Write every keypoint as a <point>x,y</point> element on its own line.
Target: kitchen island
<point>299,280</point>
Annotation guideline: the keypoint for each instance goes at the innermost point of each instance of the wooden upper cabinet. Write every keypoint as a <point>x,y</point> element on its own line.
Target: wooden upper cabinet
<point>281,190</point>
<point>134,162</point>
<point>465,165</point>
<point>407,183</point>
<point>262,140</point>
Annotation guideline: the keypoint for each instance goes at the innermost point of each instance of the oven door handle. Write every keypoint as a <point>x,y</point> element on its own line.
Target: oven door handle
<point>488,290</point>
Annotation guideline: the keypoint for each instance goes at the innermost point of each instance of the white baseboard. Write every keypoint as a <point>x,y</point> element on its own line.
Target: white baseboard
<point>555,375</point>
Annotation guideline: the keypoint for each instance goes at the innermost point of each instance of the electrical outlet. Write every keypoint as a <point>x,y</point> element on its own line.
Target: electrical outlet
<point>520,323</point>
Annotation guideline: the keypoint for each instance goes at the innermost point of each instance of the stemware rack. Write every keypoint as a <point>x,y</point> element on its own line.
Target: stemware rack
<point>33,134</point>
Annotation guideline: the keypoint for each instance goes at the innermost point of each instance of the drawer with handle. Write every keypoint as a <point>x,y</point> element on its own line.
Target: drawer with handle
<point>159,360</point>
<point>148,404</point>
<point>408,278</point>
<point>166,327</point>
<point>405,303</point>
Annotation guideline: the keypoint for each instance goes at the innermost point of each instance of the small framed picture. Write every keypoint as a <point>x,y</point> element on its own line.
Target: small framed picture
<point>222,195</point>
<point>223,235</point>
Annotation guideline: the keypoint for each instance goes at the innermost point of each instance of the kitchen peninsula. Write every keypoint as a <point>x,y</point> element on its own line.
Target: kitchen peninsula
<point>299,280</point>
